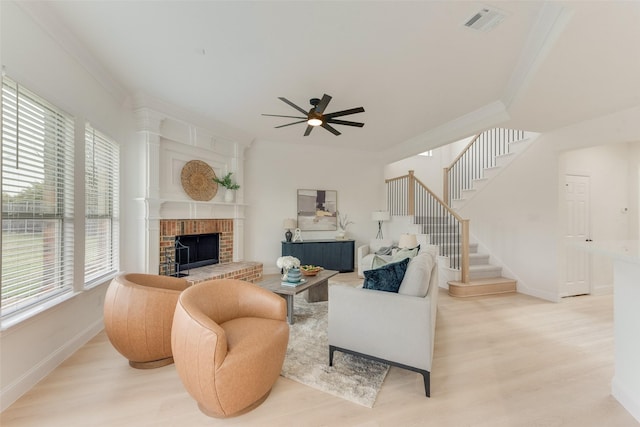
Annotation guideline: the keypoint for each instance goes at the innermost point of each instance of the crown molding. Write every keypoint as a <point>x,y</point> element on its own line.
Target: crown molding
<point>161,109</point>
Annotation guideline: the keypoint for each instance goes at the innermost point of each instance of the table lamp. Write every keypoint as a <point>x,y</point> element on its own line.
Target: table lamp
<point>288,224</point>
<point>380,216</point>
<point>408,241</point>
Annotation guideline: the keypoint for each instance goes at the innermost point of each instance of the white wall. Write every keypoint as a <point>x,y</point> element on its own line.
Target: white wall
<point>428,169</point>
<point>274,173</point>
<point>517,217</point>
<point>634,188</point>
<point>31,349</point>
<point>610,169</point>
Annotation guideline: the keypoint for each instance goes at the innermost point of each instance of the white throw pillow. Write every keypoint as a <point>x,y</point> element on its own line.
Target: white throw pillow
<point>403,253</point>
<point>418,275</point>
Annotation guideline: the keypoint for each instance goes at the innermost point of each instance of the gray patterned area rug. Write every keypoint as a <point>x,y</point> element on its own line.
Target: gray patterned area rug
<point>307,361</point>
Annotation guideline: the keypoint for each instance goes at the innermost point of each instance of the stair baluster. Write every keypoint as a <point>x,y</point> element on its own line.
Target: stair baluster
<point>407,195</point>
<point>478,155</point>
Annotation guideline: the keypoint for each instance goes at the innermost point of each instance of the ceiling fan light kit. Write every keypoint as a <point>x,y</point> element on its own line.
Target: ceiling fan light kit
<point>316,117</point>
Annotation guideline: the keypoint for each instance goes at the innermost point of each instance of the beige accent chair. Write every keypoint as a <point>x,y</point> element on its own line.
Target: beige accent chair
<point>229,340</point>
<point>365,253</point>
<point>138,313</point>
<point>393,328</point>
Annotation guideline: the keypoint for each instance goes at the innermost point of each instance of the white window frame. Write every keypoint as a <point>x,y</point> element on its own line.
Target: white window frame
<point>37,183</point>
<point>102,156</point>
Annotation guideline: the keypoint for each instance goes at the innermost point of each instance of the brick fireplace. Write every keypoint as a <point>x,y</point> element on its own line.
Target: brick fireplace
<point>170,228</point>
<point>170,139</point>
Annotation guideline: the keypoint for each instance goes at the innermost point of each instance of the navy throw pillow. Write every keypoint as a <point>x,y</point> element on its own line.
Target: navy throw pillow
<point>386,278</point>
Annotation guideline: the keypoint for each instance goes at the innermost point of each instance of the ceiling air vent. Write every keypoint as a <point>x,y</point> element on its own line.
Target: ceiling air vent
<point>485,19</point>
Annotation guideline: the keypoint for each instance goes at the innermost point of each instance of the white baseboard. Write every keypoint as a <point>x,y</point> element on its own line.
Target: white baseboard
<point>547,296</point>
<point>623,395</point>
<point>12,392</point>
<point>602,290</point>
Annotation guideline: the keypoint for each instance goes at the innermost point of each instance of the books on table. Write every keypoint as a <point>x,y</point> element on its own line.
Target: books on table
<point>294,284</point>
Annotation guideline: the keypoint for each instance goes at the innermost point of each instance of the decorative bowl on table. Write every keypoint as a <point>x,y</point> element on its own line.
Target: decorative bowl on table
<point>293,275</point>
<point>310,270</point>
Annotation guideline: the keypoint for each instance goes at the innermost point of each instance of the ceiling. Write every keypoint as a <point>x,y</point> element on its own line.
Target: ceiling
<point>423,78</point>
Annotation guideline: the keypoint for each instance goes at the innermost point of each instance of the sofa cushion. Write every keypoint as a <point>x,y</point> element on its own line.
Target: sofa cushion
<point>403,253</point>
<point>386,278</point>
<point>417,277</point>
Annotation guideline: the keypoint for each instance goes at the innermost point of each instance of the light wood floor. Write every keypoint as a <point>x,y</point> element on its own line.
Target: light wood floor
<point>503,360</point>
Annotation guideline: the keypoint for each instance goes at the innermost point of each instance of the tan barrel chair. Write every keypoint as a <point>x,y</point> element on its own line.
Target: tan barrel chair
<point>229,339</point>
<point>138,314</point>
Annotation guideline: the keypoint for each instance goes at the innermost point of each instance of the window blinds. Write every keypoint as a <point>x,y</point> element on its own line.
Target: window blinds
<point>101,192</point>
<point>37,199</point>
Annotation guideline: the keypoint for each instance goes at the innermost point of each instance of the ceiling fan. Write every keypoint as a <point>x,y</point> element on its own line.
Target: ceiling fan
<point>316,117</point>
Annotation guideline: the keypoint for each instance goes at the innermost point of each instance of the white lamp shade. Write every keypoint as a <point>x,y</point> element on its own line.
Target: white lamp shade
<point>380,216</point>
<point>289,224</point>
<point>407,241</point>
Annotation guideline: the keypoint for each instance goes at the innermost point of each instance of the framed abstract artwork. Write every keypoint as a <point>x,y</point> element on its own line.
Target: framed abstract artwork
<point>317,210</point>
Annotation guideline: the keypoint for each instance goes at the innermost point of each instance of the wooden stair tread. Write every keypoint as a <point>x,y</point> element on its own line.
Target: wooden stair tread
<point>489,286</point>
<point>481,267</point>
<point>489,281</point>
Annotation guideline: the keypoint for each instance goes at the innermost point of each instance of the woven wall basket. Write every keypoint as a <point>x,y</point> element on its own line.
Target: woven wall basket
<point>197,180</point>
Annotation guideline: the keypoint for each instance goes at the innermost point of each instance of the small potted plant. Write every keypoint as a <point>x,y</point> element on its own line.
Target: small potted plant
<point>229,185</point>
<point>343,223</point>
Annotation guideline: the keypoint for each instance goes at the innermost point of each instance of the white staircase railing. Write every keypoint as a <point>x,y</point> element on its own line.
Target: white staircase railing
<point>406,195</point>
<point>480,154</point>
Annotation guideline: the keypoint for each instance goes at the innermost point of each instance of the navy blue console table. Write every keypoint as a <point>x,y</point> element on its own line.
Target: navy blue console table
<point>329,254</point>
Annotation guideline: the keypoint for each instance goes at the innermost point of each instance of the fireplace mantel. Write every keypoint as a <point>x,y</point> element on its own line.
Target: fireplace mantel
<point>170,142</point>
<point>190,208</point>
<point>159,212</point>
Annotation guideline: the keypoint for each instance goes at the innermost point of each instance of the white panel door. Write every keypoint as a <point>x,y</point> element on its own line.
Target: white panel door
<point>576,230</point>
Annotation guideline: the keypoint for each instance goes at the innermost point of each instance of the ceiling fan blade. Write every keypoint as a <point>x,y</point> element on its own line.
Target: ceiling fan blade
<point>323,103</point>
<point>308,131</point>
<point>291,117</point>
<point>286,101</point>
<point>344,112</point>
<point>330,128</point>
<point>345,122</point>
<point>289,124</point>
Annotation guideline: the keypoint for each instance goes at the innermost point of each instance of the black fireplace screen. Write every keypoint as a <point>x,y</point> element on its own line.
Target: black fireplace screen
<point>203,249</point>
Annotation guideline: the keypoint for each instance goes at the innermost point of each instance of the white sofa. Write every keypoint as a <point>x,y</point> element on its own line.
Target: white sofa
<point>394,328</point>
<point>365,253</point>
